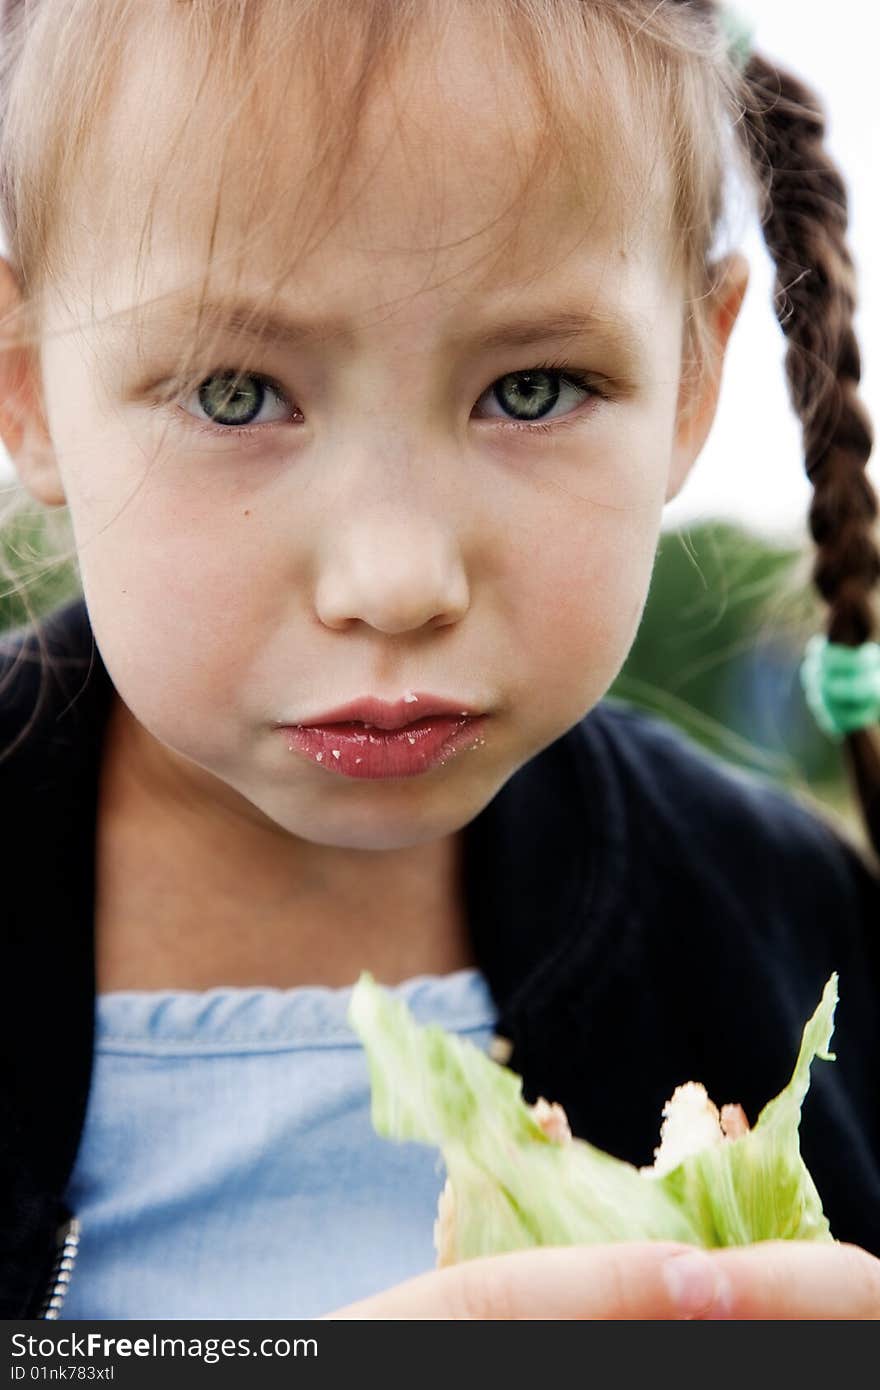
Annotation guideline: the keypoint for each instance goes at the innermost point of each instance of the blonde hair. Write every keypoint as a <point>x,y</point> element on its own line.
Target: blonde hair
<point>61,66</point>
<point>644,88</point>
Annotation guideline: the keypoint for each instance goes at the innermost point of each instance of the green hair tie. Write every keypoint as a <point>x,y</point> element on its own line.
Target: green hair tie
<point>739,33</point>
<point>842,685</point>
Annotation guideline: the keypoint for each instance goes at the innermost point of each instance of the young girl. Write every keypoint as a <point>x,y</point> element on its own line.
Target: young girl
<point>363,343</point>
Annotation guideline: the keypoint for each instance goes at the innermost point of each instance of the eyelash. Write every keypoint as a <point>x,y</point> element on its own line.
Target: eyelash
<point>568,374</point>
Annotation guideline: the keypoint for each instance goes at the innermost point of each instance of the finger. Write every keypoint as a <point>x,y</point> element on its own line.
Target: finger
<point>576,1281</point>
<point>792,1279</point>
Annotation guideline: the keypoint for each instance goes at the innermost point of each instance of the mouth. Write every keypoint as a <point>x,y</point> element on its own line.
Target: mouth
<point>369,712</point>
<point>356,748</point>
<point>351,726</point>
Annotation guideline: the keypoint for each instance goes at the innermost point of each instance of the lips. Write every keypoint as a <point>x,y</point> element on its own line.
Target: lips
<point>376,739</point>
<point>370,711</point>
<point>357,752</point>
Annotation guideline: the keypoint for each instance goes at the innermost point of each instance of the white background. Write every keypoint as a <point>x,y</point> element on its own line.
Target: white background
<point>751,469</point>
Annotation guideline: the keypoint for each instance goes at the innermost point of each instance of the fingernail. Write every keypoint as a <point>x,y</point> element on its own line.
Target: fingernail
<point>697,1286</point>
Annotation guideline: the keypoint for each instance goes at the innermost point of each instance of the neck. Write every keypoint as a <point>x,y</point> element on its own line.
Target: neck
<point>187,900</point>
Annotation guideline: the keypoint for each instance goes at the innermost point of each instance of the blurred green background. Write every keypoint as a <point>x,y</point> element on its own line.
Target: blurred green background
<point>717,652</point>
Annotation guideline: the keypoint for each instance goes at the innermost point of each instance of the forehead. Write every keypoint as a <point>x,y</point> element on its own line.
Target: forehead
<point>445,176</point>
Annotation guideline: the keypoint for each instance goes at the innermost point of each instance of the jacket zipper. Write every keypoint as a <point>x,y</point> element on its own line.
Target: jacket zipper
<point>67,1240</point>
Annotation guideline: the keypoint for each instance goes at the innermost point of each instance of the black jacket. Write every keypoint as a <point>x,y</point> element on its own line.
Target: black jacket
<point>644,915</point>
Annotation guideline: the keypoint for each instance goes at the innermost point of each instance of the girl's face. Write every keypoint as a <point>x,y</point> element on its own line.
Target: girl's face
<point>396,518</point>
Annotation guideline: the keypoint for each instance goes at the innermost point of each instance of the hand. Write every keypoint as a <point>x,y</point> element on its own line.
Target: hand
<point>642,1280</point>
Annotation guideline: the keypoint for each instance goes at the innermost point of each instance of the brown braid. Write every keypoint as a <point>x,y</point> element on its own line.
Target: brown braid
<point>804,223</point>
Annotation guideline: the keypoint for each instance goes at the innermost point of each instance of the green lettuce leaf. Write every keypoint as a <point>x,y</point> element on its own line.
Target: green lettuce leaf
<point>512,1185</point>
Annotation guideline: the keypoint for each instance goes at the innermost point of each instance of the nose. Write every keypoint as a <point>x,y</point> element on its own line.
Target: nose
<point>395,570</point>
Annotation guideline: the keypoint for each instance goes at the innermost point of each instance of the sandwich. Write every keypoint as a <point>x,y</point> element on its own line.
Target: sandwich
<point>517,1177</point>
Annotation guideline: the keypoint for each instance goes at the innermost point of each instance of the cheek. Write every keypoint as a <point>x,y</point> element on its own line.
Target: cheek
<point>180,612</point>
<point>175,654</point>
<point>579,600</point>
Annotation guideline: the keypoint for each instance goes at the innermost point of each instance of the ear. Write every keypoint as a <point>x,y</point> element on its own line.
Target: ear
<point>22,421</point>
<point>698,394</point>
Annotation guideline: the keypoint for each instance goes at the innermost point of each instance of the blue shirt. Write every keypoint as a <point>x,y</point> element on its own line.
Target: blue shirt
<point>228,1166</point>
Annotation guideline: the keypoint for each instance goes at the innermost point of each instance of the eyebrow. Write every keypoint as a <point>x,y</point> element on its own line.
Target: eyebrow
<point>601,324</point>
<point>236,316</point>
<point>278,326</point>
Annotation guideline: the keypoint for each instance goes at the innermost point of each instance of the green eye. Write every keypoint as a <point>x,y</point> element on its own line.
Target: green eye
<point>240,398</point>
<point>531,393</point>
